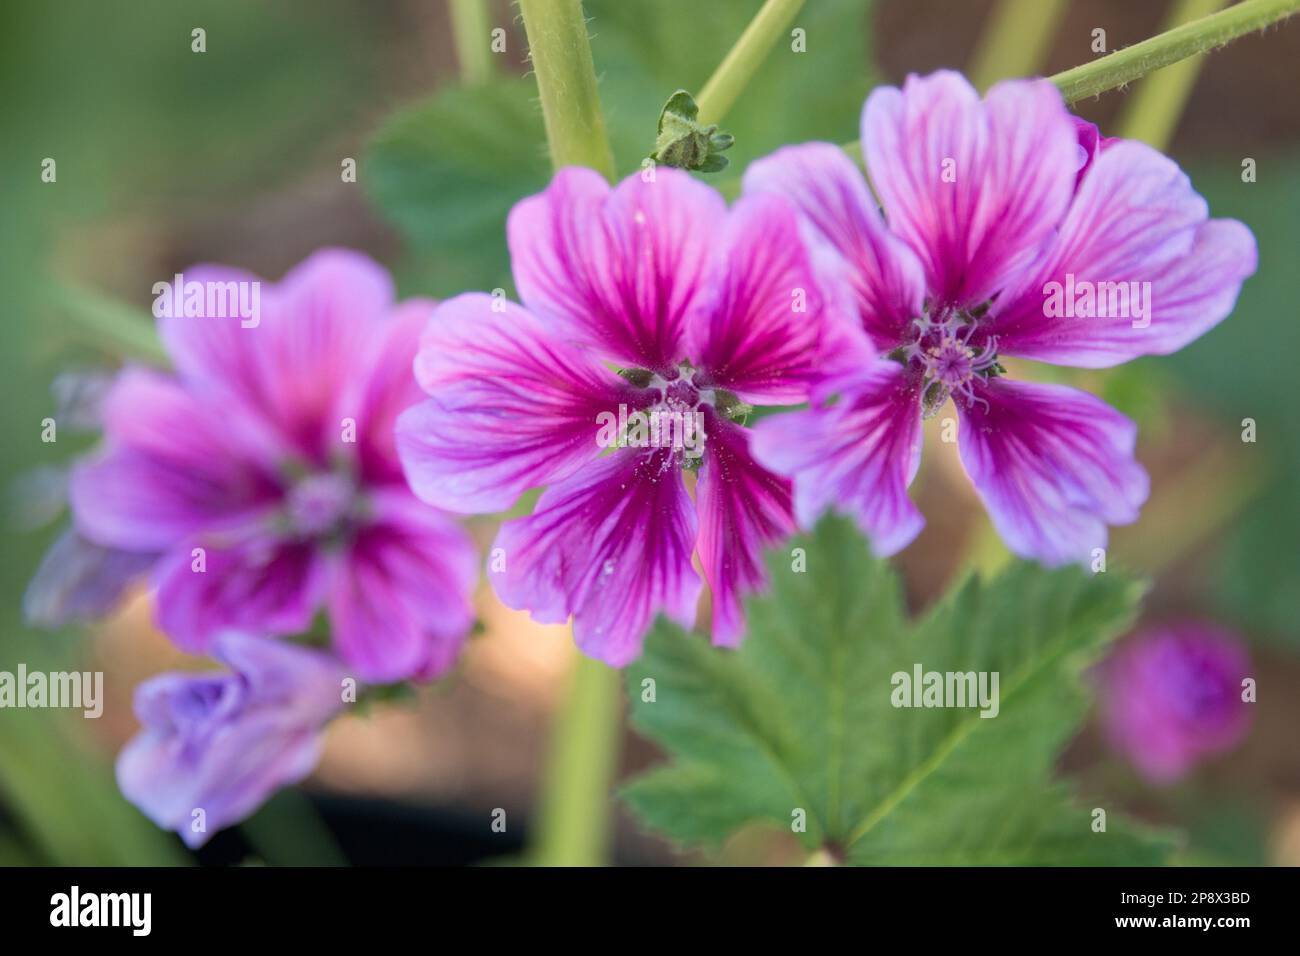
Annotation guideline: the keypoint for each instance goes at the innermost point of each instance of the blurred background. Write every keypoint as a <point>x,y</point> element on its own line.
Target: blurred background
<point>166,157</point>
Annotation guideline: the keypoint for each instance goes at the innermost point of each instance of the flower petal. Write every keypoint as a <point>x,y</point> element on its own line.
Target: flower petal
<point>611,546</point>
<point>216,351</point>
<point>400,607</point>
<point>514,406</point>
<point>262,734</point>
<point>974,187</point>
<point>173,464</point>
<point>620,269</point>
<point>1053,465</point>
<point>1136,233</point>
<point>759,330</point>
<point>311,332</point>
<point>261,586</point>
<point>743,508</point>
<point>856,453</point>
<point>838,212</point>
<point>383,387</point>
<point>303,684</point>
<point>79,580</point>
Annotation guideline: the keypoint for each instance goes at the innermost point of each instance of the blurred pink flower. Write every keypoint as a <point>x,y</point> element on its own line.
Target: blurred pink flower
<point>265,474</point>
<point>1172,696</point>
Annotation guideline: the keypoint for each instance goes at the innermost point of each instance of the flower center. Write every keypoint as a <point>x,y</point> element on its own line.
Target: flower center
<point>673,415</point>
<point>320,504</point>
<point>948,353</point>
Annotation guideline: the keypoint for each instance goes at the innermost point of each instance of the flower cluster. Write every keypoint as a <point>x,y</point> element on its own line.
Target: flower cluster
<point>292,466</point>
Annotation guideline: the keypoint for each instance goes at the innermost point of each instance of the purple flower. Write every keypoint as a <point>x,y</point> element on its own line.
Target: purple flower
<point>1007,224</point>
<point>222,743</point>
<point>1173,696</point>
<point>265,474</point>
<point>702,312</point>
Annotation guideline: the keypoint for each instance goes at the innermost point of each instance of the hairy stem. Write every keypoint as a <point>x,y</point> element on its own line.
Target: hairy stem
<point>738,68</point>
<point>566,84</point>
<point>1134,62</point>
<point>1199,36</point>
<point>1152,113</point>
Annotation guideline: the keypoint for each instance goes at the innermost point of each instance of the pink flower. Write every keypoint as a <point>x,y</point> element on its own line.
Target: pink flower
<point>222,743</point>
<point>701,311</point>
<point>1172,696</point>
<point>264,472</point>
<point>1005,221</point>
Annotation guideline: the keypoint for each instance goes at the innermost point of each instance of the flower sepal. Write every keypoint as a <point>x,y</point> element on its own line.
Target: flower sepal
<point>684,142</point>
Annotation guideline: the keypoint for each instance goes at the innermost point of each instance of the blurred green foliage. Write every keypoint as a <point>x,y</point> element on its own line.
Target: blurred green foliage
<point>446,170</point>
<point>1246,368</point>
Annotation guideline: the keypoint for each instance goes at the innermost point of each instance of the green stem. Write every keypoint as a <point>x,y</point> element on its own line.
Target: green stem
<point>1016,41</point>
<point>574,807</point>
<point>1200,36</point>
<point>120,327</point>
<point>288,831</point>
<point>738,68</point>
<point>566,83</point>
<point>1152,113</point>
<point>470,30</point>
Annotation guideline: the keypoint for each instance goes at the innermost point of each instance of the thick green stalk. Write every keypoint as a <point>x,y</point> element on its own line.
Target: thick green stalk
<point>1200,36</point>
<point>738,68</point>
<point>574,807</point>
<point>470,30</point>
<point>574,810</point>
<point>566,83</point>
<point>1152,112</point>
<point>1016,41</point>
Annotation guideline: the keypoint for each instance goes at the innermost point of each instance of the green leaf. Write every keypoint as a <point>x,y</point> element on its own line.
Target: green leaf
<point>60,796</point>
<point>447,170</point>
<point>801,716</point>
